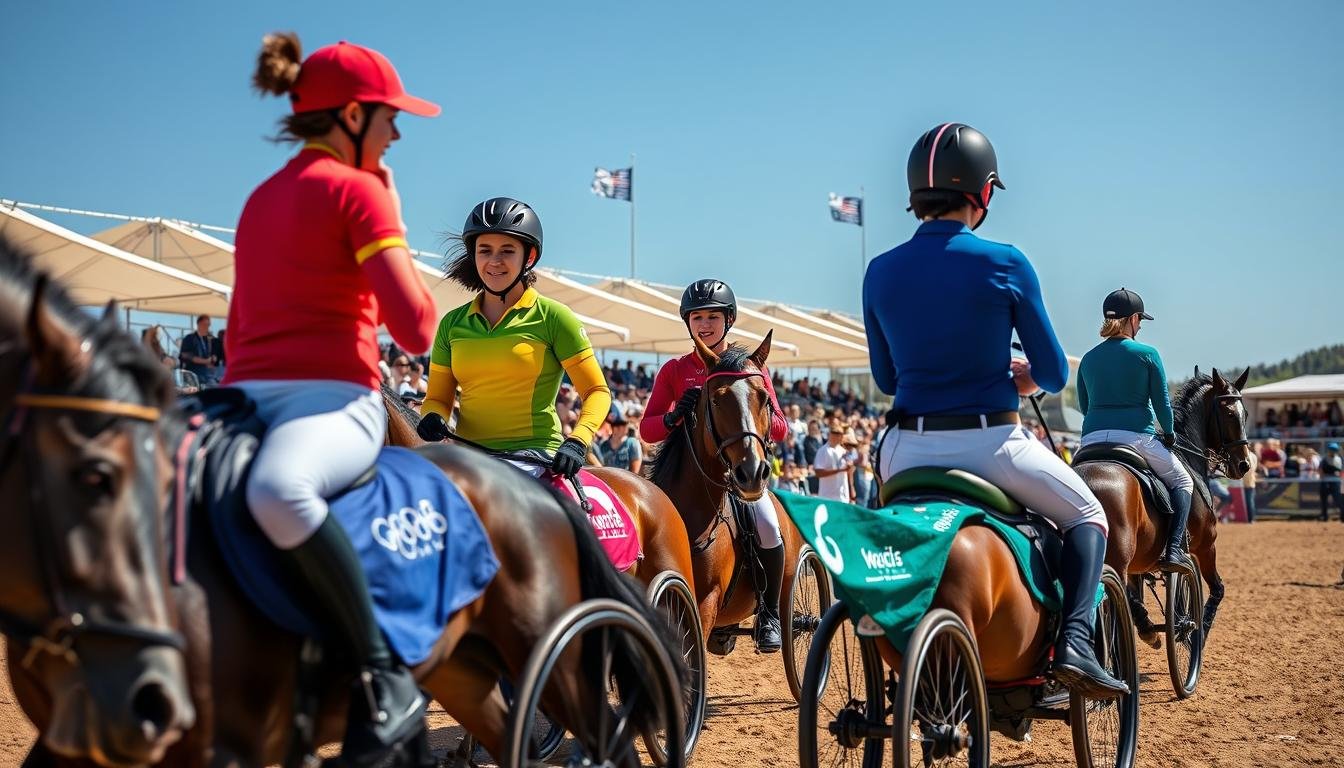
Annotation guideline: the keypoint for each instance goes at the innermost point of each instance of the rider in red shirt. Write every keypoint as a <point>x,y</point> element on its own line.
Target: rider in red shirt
<point>320,262</point>
<point>709,309</point>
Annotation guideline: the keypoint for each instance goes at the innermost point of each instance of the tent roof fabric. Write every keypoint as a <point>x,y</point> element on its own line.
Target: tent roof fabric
<point>177,245</point>
<point>1314,385</point>
<point>94,272</point>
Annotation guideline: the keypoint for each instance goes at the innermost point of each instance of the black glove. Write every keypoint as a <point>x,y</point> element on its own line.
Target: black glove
<point>432,428</point>
<point>684,407</point>
<point>569,457</point>
<point>1168,439</point>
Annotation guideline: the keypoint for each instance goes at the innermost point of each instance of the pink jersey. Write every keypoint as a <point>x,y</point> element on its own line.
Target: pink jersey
<point>680,374</point>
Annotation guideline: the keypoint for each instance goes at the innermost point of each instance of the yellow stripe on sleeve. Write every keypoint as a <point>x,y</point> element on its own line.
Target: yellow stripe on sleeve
<point>378,246</point>
<point>586,373</point>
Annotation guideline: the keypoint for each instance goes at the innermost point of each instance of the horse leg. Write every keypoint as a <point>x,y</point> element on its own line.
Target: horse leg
<point>468,690</point>
<point>1208,568</point>
<point>1143,623</point>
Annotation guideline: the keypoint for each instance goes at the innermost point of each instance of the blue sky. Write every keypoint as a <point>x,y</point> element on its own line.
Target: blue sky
<point>1188,151</point>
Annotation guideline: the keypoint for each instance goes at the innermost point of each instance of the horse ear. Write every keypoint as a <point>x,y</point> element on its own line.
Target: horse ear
<point>1196,371</point>
<point>1218,380</point>
<point>58,355</point>
<point>763,351</point>
<point>706,354</point>
<point>109,317</point>
<point>1241,380</point>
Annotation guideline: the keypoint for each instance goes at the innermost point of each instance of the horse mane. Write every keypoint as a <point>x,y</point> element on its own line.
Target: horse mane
<point>1187,409</point>
<point>400,406</point>
<point>665,462</point>
<point>111,348</point>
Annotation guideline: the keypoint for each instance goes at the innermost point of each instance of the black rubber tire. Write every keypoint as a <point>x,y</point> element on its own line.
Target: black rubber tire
<point>819,744</point>
<point>1114,721</point>
<point>1185,631</point>
<point>941,642</point>
<point>673,599</point>
<point>809,597</point>
<point>591,616</point>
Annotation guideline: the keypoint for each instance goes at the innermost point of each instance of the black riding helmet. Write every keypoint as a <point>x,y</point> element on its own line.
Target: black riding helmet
<point>957,158</point>
<point>709,294</point>
<point>503,216</point>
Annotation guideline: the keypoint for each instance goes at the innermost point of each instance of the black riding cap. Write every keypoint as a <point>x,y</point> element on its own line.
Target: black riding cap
<point>1123,303</point>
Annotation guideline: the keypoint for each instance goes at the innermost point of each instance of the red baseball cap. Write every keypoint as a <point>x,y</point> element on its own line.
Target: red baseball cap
<point>336,75</point>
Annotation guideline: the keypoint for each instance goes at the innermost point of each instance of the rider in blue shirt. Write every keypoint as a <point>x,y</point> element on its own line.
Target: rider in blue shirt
<point>940,311</point>
<point>1122,392</point>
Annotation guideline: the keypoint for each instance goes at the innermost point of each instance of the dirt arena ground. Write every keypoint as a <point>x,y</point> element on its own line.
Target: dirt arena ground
<point>1270,694</point>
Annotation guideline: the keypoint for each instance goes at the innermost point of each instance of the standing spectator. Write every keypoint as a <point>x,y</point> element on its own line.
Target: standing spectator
<point>1292,466</point>
<point>832,468</point>
<point>1331,466</point>
<point>1218,489</point>
<point>1272,457</point>
<point>864,484</point>
<point>796,424</point>
<point>198,353</point>
<point>1248,483</point>
<point>150,338</point>
<point>217,348</point>
<point>401,375</point>
<point>620,450</point>
<point>792,478</point>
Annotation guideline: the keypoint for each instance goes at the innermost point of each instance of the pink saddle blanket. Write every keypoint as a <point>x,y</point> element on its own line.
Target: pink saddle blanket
<point>611,521</point>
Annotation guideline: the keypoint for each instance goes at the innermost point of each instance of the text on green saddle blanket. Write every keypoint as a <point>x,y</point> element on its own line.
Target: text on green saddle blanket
<point>888,562</point>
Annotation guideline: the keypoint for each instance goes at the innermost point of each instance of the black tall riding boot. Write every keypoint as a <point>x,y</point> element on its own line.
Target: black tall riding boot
<point>1174,559</point>
<point>1075,664</point>
<point>767,635</point>
<point>386,724</point>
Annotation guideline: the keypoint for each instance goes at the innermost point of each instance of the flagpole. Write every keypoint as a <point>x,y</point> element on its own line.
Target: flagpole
<point>632,215</point>
<point>863,235</point>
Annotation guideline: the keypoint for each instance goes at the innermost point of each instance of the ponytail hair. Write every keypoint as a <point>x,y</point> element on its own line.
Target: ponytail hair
<point>278,67</point>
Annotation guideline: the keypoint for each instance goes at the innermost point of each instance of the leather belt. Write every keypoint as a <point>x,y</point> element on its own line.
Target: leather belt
<point>943,423</point>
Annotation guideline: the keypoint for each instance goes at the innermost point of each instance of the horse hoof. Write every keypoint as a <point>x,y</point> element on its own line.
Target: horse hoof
<point>1153,640</point>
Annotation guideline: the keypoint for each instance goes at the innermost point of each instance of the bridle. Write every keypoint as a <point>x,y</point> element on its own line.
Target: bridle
<point>58,635</point>
<point>1219,458</point>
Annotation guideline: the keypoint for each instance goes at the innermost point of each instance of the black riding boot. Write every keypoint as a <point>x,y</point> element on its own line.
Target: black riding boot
<point>1174,559</point>
<point>768,638</point>
<point>1075,664</point>
<point>386,723</point>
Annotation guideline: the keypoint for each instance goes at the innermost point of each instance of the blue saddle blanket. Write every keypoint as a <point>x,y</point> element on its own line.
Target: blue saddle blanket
<point>424,550</point>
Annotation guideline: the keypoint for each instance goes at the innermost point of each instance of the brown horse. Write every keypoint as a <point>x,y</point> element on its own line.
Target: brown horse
<point>91,638</point>
<point>242,669</point>
<point>719,454</point>
<point>1211,434</point>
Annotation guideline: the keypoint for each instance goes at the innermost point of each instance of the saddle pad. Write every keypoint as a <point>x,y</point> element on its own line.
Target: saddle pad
<point>424,550</point>
<point>611,521</point>
<point>887,563</point>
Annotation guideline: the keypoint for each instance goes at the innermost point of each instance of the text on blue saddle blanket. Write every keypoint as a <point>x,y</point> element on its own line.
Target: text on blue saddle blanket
<point>888,562</point>
<point>425,553</point>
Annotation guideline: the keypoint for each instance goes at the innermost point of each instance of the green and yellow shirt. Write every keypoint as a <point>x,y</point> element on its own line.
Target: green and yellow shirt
<point>509,374</point>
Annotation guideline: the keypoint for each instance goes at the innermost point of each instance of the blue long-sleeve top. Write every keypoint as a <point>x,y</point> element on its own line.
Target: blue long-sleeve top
<point>1122,385</point>
<point>940,311</point>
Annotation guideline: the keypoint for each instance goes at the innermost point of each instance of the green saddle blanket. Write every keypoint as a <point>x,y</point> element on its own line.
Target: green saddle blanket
<point>887,563</point>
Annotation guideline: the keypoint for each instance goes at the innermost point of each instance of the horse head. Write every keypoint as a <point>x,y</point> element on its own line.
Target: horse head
<point>95,658</point>
<point>734,417</point>
<point>1226,431</point>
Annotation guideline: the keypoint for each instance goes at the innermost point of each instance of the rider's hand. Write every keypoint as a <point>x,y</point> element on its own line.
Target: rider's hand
<point>684,407</point>
<point>432,428</point>
<point>1168,439</point>
<point>569,457</point>
<point>1022,377</point>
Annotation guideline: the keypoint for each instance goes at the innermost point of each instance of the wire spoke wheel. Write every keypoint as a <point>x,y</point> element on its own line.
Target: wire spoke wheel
<point>941,716</point>
<point>1185,631</point>
<point>1106,731</point>
<point>809,597</point>
<point>842,715</point>
<point>673,601</point>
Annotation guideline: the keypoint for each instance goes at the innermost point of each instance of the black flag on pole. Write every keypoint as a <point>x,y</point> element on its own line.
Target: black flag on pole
<point>616,184</point>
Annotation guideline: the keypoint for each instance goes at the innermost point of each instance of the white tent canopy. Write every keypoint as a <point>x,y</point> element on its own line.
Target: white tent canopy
<point>94,272</point>
<point>814,347</point>
<point>1296,390</point>
<point>175,244</point>
<point>834,325</point>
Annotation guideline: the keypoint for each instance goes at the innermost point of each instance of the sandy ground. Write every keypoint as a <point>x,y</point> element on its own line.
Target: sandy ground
<point>1269,695</point>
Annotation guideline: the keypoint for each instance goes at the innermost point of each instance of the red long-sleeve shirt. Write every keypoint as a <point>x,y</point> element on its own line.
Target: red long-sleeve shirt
<point>680,374</point>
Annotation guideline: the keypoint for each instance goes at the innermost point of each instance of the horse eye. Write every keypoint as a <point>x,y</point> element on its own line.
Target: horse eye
<point>98,477</point>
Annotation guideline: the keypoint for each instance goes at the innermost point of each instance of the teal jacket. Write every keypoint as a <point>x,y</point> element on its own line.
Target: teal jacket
<point>1122,385</point>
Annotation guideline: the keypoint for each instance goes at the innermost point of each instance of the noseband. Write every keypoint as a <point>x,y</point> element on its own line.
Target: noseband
<point>721,444</point>
<point>59,634</point>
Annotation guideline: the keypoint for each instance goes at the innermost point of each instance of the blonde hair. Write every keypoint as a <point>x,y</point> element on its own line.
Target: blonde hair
<point>1113,328</point>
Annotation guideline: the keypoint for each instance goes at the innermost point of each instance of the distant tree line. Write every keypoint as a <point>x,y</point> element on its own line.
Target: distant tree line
<point>1322,360</point>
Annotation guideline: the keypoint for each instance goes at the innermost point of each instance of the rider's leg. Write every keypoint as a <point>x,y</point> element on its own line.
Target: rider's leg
<point>322,436</point>
<point>1173,473</point>
<point>1027,470</point>
<point>768,636</point>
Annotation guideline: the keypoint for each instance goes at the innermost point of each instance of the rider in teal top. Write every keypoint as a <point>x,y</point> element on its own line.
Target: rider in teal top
<point>1122,392</point>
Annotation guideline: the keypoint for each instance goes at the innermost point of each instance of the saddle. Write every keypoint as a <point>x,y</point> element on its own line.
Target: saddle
<point>1155,493</point>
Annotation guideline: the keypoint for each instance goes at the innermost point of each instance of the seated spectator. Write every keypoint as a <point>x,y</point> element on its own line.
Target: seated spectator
<point>619,449</point>
<point>197,353</point>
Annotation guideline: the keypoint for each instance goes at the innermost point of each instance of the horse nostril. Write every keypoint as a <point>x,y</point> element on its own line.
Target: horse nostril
<point>740,472</point>
<point>1244,467</point>
<point>153,710</point>
<point>763,471</point>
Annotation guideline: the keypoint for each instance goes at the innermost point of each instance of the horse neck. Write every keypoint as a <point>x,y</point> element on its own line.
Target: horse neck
<point>1193,431</point>
<point>696,497</point>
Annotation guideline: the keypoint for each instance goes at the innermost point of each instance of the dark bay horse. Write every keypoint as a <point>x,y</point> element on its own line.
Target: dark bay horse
<point>722,452</point>
<point>92,643</point>
<point>1211,434</point>
<point>242,669</point>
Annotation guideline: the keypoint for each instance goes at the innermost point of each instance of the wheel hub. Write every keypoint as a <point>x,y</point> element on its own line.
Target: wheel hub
<point>850,726</point>
<point>944,740</point>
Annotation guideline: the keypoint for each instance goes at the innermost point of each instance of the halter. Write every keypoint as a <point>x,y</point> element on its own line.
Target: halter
<point>1219,458</point>
<point>60,633</point>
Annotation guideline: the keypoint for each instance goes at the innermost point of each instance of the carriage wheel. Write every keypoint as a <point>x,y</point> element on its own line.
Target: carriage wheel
<point>1185,631</point>
<point>809,597</point>
<point>842,716</point>
<point>672,599</point>
<point>942,714</point>
<point>547,736</point>
<point>611,733</point>
<point>1106,733</point>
